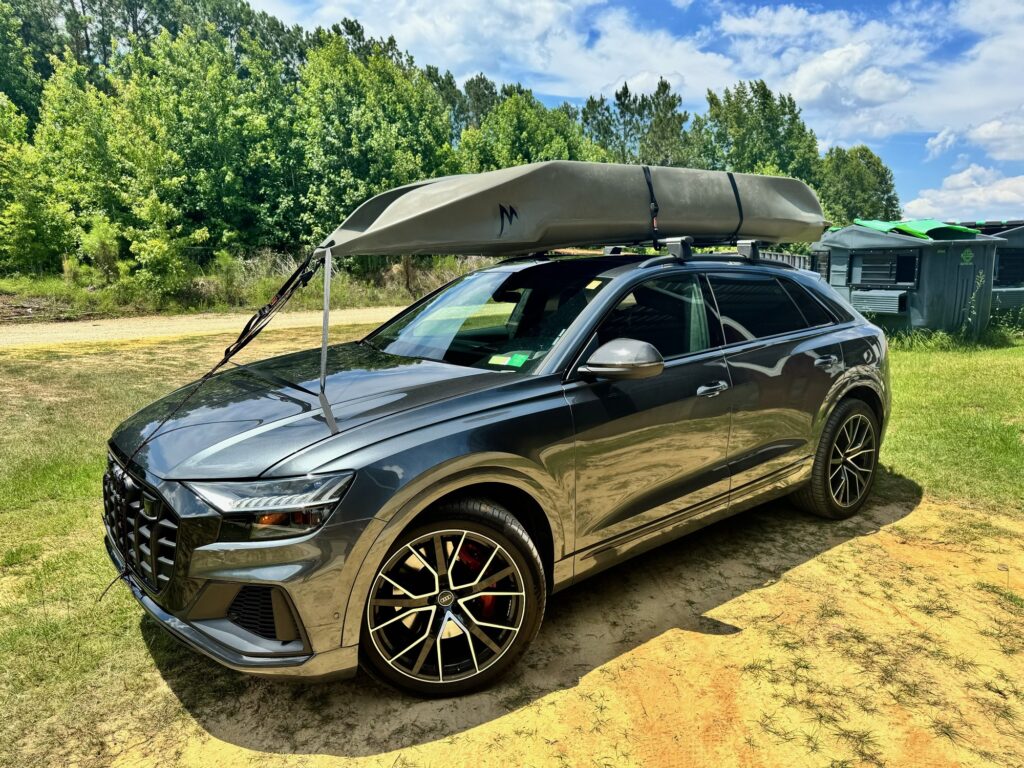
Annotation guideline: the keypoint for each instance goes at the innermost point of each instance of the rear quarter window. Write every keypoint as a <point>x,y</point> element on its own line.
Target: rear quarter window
<point>754,307</point>
<point>812,310</point>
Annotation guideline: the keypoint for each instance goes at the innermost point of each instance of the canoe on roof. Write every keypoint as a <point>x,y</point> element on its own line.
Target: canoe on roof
<point>563,203</point>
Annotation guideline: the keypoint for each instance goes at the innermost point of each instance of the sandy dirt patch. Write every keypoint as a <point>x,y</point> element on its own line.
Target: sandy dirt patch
<point>771,639</point>
<point>155,327</point>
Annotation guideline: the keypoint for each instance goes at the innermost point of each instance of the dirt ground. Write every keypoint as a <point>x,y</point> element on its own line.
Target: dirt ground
<point>166,326</point>
<point>768,640</point>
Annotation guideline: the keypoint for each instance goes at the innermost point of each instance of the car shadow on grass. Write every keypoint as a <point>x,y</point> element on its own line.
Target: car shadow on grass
<point>586,626</point>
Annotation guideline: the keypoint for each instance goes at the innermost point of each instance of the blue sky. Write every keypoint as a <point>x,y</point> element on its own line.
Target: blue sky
<point>935,88</point>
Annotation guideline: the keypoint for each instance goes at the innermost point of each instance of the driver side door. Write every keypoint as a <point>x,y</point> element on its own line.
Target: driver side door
<point>652,448</point>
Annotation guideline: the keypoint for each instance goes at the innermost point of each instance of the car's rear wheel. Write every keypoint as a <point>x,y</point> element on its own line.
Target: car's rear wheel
<point>455,603</point>
<point>845,463</point>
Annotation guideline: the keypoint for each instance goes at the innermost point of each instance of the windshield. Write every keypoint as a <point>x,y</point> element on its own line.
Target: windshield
<point>497,320</point>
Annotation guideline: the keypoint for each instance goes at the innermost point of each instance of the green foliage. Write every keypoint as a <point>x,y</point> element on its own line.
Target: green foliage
<point>18,78</point>
<point>101,244</point>
<point>35,226</point>
<point>170,141</point>
<point>749,127</point>
<point>73,137</point>
<point>364,126</point>
<point>662,141</point>
<point>855,183</point>
<point>522,130</point>
<point>481,98</point>
<point>639,128</point>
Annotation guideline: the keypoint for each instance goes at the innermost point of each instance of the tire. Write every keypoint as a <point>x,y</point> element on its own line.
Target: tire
<point>458,632</point>
<point>838,490</point>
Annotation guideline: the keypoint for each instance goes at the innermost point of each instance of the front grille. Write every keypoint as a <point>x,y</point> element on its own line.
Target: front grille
<point>142,529</point>
<point>253,609</point>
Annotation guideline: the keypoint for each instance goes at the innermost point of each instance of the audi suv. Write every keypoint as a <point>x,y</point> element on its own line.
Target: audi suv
<point>510,434</point>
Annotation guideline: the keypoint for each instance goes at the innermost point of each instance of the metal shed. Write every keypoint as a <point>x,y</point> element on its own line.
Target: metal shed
<point>923,274</point>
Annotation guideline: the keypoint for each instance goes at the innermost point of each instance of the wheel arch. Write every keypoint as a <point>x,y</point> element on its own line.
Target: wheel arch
<point>858,386</point>
<point>868,395</point>
<point>511,491</point>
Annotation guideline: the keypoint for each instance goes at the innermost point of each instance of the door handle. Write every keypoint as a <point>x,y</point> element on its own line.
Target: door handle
<point>713,389</point>
<point>826,361</point>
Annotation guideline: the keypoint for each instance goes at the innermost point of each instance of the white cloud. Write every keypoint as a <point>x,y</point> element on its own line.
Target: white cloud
<point>940,143</point>
<point>948,68</point>
<point>565,47</point>
<point>974,193</point>
<point>844,68</point>
<point>1003,137</point>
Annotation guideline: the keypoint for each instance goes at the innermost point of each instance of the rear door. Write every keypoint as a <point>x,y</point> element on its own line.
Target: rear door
<point>650,448</point>
<point>782,363</point>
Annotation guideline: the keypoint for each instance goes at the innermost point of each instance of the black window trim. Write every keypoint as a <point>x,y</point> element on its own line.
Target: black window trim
<point>786,282</point>
<point>765,341</point>
<point>570,372</point>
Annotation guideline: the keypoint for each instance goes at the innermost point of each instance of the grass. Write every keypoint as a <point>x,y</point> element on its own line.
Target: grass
<point>958,426</point>
<point>70,662</point>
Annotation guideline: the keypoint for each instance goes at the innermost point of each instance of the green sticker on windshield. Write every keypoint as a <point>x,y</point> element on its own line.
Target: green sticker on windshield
<point>517,360</point>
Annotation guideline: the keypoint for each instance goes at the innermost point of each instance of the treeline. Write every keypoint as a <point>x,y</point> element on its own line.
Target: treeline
<point>146,142</point>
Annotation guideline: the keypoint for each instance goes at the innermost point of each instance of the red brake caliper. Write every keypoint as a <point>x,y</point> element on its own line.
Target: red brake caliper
<point>469,556</point>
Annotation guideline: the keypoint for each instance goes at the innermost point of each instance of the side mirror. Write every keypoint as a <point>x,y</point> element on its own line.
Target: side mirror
<point>624,359</point>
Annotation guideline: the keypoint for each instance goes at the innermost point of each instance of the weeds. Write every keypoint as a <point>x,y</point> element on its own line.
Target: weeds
<point>227,284</point>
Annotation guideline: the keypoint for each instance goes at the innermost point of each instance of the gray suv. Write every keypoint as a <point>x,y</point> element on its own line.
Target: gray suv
<point>512,433</point>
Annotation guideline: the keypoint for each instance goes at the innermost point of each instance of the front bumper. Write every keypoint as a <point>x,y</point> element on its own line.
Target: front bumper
<point>340,662</point>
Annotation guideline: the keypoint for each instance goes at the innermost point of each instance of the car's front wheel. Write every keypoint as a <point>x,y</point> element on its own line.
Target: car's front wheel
<point>845,463</point>
<point>455,603</point>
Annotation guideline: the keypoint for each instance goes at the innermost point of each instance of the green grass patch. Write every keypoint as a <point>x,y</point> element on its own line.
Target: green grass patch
<point>1008,599</point>
<point>957,427</point>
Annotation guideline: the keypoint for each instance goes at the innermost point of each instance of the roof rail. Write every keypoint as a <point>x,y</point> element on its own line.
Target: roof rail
<point>726,257</point>
<point>535,256</point>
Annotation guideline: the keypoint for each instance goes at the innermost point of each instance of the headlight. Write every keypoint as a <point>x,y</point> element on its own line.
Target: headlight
<point>272,509</point>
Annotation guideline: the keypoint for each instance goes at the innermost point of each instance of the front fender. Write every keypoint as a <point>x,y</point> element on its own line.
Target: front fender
<point>442,480</point>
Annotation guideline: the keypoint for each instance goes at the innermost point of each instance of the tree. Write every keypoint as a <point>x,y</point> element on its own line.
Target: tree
<point>663,134</point>
<point>364,127</point>
<point>452,97</point>
<point>855,183</point>
<point>522,130</point>
<point>206,153</point>
<point>18,78</point>
<point>481,98</point>
<point>749,127</point>
<point>35,229</point>
<point>73,138</point>
<point>616,126</point>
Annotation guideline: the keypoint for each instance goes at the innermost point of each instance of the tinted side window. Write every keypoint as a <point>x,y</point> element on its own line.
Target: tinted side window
<point>753,307</point>
<point>813,312</point>
<point>669,313</point>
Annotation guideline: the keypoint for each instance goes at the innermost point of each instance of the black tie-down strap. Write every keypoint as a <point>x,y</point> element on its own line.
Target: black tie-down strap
<point>739,205</point>
<point>654,206</point>
<point>299,278</point>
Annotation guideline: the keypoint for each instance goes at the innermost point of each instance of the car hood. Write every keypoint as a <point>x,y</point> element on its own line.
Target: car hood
<point>243,421</point>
